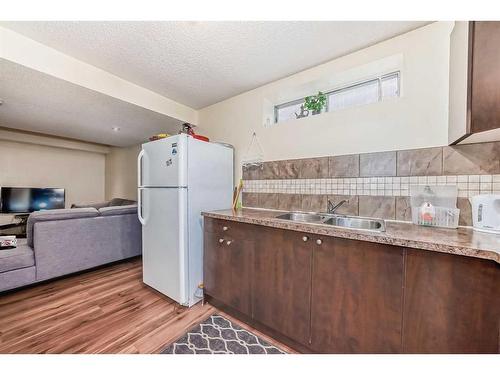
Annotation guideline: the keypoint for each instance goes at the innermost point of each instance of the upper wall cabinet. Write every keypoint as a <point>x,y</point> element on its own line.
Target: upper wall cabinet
<point>474,82</point>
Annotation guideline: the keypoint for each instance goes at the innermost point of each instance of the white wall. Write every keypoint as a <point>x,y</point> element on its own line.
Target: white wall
<point>81,173</point>
<point>419,118</point>
<point>121,172</point>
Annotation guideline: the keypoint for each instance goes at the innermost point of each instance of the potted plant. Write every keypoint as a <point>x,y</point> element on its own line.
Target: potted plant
<point>315,103</point>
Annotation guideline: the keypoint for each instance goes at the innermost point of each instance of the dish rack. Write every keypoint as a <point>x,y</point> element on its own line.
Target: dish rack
<point>434,206</point>
<point>443,217</point>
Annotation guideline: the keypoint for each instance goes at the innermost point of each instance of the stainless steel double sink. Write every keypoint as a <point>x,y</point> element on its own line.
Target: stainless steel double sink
<point>351,222</point>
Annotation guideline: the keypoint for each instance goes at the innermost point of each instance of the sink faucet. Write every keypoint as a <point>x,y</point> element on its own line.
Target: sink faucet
<point>332,208</point>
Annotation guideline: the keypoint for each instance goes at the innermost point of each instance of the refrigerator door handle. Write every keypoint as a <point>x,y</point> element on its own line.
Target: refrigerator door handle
<point>139,206</point>
<point>139,168</point>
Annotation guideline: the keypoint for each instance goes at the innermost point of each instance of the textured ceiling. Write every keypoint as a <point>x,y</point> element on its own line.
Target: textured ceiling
<point>201,63</point>
<point>41,103</point>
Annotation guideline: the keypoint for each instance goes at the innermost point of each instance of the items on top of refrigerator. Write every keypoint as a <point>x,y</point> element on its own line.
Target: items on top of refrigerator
<point>434,206</point>
<point>187,128</point>
<point>159,136</point>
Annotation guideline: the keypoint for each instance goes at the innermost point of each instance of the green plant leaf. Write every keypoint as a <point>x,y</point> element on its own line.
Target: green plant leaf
<point>315,102</point>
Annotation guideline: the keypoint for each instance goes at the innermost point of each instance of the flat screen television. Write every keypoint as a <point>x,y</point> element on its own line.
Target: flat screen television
<point>25,200</point>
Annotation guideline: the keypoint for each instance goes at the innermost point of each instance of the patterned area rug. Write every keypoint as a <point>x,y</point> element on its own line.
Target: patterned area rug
<point>218,335</point>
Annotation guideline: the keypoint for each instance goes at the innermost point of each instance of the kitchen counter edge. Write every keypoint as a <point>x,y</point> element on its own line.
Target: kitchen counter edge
<point>462,241</point>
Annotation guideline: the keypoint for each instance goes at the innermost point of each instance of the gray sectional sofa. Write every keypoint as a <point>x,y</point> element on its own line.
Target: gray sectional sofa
<point>60,242</point>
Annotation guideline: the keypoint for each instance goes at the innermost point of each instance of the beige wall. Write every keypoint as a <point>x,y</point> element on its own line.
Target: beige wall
<point>121,172</point>
<point>81,173</point>
<point>419,118</point>
<point>89,172</point>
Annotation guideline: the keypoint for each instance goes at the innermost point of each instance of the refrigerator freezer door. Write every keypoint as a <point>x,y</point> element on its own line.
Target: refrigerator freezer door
<point>163,163</point>
<point>164,241</point>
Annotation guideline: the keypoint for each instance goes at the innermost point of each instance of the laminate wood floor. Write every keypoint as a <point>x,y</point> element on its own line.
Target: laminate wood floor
<point>108,310</point>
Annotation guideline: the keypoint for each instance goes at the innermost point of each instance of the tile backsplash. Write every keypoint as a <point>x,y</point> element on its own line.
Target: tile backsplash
<point>376,184</point>
<point>468,185</point>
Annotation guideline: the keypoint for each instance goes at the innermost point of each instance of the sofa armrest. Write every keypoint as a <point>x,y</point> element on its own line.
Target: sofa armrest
<point>118,210</point>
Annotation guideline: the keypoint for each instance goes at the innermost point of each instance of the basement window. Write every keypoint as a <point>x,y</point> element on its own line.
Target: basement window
<point>356,94</point>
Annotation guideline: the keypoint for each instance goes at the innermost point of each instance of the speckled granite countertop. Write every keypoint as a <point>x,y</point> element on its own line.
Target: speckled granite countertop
<point>462,241</point>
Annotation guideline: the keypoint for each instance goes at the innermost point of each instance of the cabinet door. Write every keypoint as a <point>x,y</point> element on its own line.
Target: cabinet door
<point>485,111</point>
<point>357,297</point>
<point>452,304</point>
<point>227,267</point>
<point>282,282</point>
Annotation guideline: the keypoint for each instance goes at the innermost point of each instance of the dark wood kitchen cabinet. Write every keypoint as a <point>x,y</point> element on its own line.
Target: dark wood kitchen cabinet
<point>485,86</point>
<point>474,82</point>
<point>282,282</point>
<point>357,297</point>
<point>452,304</point>
<point>333,295</point>
<point>227,268</point>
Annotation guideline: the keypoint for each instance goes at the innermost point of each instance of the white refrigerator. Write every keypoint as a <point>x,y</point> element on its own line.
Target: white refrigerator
<point>178,177</point>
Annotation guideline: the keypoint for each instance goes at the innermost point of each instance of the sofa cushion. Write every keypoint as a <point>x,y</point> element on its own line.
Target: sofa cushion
<point>13,259</point>
<point>52,215</point>
<point>118,210</point>
<point>112,203</point>
<point>121,202</point>
<point>91,205</point>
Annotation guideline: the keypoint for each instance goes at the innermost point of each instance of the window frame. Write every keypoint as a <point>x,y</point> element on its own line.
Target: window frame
<point>287,104</point>
<point>377,79</point>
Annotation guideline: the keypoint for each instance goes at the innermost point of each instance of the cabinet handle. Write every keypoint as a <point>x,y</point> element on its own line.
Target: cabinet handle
<point>319,242</point>
<point>228,243</point>
<point>221,240</point>
<point>225,228</point>
<point>305,238</point>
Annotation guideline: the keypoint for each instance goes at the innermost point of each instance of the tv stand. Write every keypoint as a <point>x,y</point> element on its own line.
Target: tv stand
<point>17,228</point>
